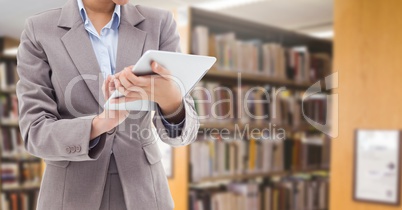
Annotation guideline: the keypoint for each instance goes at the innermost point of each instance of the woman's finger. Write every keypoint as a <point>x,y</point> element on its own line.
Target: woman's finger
<point>119,87</point>
<point>124,81</point>
<point>125,99</point>
<point>137,94</point>
<point>112,88</point>
<point>134,79</point>
<point>105,87</point>
<point>112,85</point>
<point>116,75</point>
<point>159,69</point>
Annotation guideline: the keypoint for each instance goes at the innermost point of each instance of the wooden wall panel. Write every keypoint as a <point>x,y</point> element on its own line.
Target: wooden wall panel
<point>368,57</point>
<point>179,183</point>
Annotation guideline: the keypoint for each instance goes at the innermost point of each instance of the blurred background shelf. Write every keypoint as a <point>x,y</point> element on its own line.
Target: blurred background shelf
<point>8,90</point>
<point>9,123</point>
<point>16,159</point>
<point>218,35</point>
<point>9,57</point>
<point>20,172</point>
<point>26,187</point>
<point>233,125</point>
<point>258,175</point>
<point>226,76</point>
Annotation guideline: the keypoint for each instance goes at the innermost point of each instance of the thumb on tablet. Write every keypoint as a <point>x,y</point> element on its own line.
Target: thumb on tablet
<point>159,69</point>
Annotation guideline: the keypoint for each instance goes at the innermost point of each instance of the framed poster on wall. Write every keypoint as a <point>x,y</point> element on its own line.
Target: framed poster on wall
<point>377,166</point>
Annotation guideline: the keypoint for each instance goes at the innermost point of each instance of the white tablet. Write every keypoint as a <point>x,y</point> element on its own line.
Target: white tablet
<point>186,71</point>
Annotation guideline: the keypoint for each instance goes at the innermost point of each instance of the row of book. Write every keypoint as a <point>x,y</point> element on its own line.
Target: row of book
<point>8,107</point>
<point>19,174</point>
<point>8,75</point>
<point>244,104</point>
<point>19,201</point>
<point>255,56</point>
<point>288,194</point>
<point>11,143</point>
<point>218,156</point>
<point>318,108</point>
<point>20,179</point>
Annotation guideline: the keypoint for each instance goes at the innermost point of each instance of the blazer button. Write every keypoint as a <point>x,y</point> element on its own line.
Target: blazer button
<point>72,149</point>
<point>68,150</point>
<point>78,148</point>
<point>112,131</point>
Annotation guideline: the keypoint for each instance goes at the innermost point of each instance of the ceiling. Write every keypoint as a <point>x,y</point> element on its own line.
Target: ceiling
<point>301,15</point>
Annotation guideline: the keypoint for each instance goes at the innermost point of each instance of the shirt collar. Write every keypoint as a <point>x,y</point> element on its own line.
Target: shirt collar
<point>114,23</point>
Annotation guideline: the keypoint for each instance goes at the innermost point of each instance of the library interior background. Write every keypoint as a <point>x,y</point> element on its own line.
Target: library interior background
<point>300,108</point>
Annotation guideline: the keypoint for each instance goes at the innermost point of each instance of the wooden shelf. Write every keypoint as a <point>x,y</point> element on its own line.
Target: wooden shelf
<point>25,187</point>
<point>7,57</point>
<point>233,125</point>
<point>248,30</point>
<point>27,159</point>
<point>227,76</point>
<point>9,123</point>
<point>8,90</point>
<point>228,178</point>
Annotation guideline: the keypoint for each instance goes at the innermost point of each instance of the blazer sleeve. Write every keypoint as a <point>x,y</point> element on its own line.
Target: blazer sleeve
<point>170,41</point>
<point>45,133</point>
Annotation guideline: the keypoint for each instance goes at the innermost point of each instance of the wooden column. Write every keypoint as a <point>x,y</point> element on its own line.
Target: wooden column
<point>179,183</point>
<point>368,57</point>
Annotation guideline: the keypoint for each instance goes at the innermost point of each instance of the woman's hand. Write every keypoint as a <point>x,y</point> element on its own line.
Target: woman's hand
<point>160,88</point>
<point>108,119</point>
<point>114,116</point>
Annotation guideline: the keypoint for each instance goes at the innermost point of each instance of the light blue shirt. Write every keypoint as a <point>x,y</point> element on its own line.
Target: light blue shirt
<point>105,48</point>
<point>105,43</point>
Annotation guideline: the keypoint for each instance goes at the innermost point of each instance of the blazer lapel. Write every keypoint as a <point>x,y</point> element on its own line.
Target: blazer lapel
<point>131,39</point>
<point>79,47</point>
<point>130,47</point>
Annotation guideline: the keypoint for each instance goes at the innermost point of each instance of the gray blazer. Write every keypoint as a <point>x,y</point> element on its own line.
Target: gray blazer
<point>59,93</point>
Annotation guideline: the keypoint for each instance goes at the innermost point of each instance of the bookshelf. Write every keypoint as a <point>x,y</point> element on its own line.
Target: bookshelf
<point>208,125</point>
<point>248,78</point>
<point>9,123</point>
<point>7,91</point>
<point>20,172</point>
<point>230,76</point>
<point>254,176</point>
